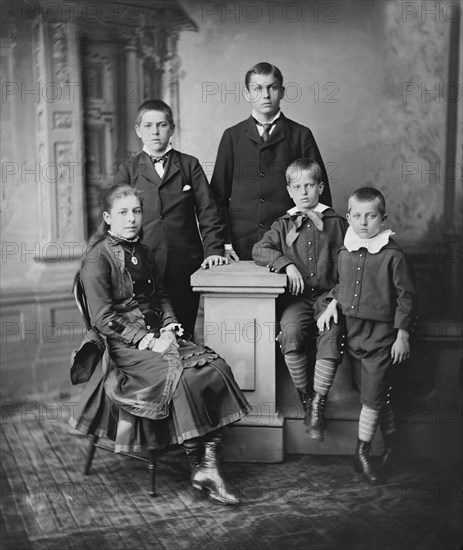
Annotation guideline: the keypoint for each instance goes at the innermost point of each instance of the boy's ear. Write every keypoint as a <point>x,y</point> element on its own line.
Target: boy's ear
<point>282,92</point>
<point>137,130</point>
<point>384,219</point>
<point>321,186</point>
<point>247,95</point>
<point>107,218</point>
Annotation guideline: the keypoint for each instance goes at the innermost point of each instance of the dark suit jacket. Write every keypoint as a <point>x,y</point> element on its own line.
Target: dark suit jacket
<point>249,178</point>
<point>170,212</point>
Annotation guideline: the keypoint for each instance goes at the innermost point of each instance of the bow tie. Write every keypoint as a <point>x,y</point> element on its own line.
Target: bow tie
<point>299,219</point>
<point>162,159</point>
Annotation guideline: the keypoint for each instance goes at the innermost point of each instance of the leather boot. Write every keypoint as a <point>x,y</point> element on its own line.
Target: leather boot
<point>362,463</point>
<point>207,476</point>
<point>305,398</point>
<point>389,458</point>
<point>194,451</point>
<point>316,425</point>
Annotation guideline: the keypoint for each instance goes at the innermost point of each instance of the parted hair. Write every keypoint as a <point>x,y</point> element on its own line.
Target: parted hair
<point>154,105</point>
<point>295,169</point>
<point>263,68</point>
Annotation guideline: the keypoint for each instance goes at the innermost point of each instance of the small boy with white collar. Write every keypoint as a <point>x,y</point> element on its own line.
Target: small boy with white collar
<point>376,295</point>
<point>304,244</point>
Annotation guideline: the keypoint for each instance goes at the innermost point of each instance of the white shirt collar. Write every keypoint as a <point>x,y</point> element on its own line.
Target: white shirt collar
<point>318,208</point>
<point>256,116</point>
<point>147,151</point>
<point>353,242</point>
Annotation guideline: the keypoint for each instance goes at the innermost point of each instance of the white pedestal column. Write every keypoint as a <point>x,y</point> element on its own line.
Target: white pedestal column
<point>239,323</point>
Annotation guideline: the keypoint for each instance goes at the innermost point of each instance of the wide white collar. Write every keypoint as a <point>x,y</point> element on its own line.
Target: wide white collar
<point>318,208</point>
<point>353,242</point>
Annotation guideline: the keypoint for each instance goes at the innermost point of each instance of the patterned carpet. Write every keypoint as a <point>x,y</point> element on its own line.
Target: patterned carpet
<point>308,502</point>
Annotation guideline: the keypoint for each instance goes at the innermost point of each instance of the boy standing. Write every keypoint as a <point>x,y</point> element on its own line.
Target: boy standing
<point>249,174</point>
<point>304,244</point>
<point>376,294</point>
<point>177,199</point>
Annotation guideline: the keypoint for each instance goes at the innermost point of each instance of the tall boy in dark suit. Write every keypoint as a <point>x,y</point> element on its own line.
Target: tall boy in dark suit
<point>249,175</point>
<point>177,199</point>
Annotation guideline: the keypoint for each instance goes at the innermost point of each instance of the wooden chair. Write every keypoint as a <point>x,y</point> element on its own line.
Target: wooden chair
<point>81,302</point>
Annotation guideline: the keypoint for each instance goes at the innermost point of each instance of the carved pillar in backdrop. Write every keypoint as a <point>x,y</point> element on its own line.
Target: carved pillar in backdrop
<point>133,92</point>
<point>59,134</point>
<point>10,187</point>
<point>140,45</point>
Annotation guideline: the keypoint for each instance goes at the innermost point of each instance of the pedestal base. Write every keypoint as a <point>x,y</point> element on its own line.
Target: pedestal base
<point>254,440</point>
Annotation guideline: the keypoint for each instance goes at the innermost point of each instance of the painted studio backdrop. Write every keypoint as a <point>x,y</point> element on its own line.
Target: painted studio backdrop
<point>377,82</point>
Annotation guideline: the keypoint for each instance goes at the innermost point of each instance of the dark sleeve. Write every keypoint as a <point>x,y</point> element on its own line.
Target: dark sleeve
<point>333,294</point>
<point>405,289</point>
<point>161,300</point>
<point>269,250</point>
<point>211,226</point>
<point>123,175</point>
<point>222,180</point>
<point>310,150</point>
<point>95,276</point>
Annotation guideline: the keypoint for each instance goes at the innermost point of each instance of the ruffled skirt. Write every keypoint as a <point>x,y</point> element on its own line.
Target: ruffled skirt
<point>144,400</point>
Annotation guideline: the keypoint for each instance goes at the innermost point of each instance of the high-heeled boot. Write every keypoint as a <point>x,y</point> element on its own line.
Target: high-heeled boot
<point>207,476</point>
<point>389,458</point>
<point>305,398</point>
<point>362,463</point>
<point>317,424</point>
<point>194,451</point>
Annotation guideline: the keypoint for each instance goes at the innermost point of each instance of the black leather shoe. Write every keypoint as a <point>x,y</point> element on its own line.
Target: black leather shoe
<point>305,398</point>
<point>207,476</point>
<point>389,458</point>
<point>362,462</point>
<point>316,425</point>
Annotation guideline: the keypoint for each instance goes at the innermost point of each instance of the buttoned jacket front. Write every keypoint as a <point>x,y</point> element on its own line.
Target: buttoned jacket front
<point>314,252</point>
<point>109,291</point>
<point>249,178</point>
<point>173,208</point>
<point>377,287</point>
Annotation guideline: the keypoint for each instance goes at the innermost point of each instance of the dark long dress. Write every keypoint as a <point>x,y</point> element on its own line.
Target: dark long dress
<point>142,399</point>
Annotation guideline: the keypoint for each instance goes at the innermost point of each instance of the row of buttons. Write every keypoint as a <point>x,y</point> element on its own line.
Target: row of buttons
<point>357,282</point>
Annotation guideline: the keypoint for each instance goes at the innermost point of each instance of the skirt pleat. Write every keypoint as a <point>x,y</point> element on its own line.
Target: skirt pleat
<point>151,401</point>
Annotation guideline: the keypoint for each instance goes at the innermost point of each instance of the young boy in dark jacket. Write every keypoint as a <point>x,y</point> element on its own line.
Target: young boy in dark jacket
<point>376,295</point>
<point>181,221</point>
<point>249,175</point>
<point>304,244</point>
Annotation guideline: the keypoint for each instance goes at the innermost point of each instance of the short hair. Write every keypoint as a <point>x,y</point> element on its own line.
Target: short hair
<point>299,165</point>
<point>368,194</point>
<point>154,105</point>
<point>263,68</point>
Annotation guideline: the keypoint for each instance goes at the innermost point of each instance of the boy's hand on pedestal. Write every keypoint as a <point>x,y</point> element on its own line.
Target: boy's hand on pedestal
<point>230,254</point>
<point>214,260</point>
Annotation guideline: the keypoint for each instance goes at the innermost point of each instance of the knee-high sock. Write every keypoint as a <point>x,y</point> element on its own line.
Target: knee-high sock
<point>368,423</point>
<point>325,369</point>
<point>297,364</point>
<point>386,420</point>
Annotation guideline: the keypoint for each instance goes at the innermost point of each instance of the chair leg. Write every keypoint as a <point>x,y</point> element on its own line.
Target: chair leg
<point>90,453</point>
<point>152,459</point>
